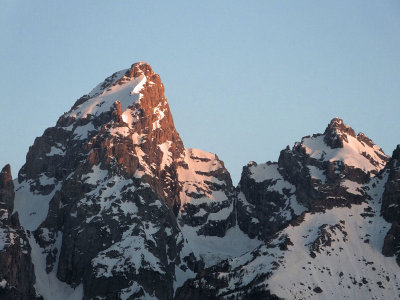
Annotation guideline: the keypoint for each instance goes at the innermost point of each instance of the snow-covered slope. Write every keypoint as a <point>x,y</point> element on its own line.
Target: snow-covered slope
<point>334,254</point>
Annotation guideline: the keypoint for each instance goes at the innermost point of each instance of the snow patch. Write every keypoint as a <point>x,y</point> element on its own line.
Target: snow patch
<point>45,180</point>
<point>82,132</point>
<point>32,207</point>
<point>132,251</point>
<point>55,151</point>
<point>352,187</point>
<point>317,174</point>
<point>120,131</point>
<point>351,153</point>
<point>47,284</point>
<point>95,175</point>
<point>167,155</point>
<point>269,171</point>
<point>215,249</point>
<point>159,116</point>
<point>128,93</point>
<point>3,283</point>
<point>195,176</point>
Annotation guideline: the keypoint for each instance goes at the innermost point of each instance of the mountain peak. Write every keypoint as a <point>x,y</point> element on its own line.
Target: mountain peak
<point>138,69</point>
<point>337,132</point>
<point>396,153</point>
<point>336,120</point>
<point>5,173</point>
<point>127,86</point>
<point>339,142</point>
<point>6,189</point>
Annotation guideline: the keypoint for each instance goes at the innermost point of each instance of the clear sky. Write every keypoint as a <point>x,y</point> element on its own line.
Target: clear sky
<point>243,78</point>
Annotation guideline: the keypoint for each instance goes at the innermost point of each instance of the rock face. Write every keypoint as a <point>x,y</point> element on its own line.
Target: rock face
<point>202,176</point>
<point>111,205</point>
<point>16,269</point>
<point>391,195</point>
<point>266,201</point>
<point>391,206</point>
<point>6,189</point>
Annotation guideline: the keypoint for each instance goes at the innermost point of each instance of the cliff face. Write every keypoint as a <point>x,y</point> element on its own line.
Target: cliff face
<point>16,269</point>
<point>391,195</point>
<point>391,206</point>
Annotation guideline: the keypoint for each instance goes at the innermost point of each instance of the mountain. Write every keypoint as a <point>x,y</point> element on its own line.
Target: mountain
<point>322,211</point>
<point>111,205</point>
<point>112,202</point>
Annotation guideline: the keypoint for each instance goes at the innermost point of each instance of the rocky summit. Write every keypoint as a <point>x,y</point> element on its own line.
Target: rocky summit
<point>111,205</point>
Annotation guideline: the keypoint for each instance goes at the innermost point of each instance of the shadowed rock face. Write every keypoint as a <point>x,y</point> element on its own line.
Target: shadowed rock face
<point>16,269</point>
<point>266,201</point>
<point>6,189</point>
<point>336,133</point>
<point>391,243</point>
<point>391,195</point>
<point>391,206</point>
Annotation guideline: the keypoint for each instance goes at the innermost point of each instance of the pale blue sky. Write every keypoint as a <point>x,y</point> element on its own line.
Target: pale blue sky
<point>243,78</point>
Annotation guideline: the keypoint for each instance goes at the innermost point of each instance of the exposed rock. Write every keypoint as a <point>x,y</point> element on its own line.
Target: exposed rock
<point>16,269</point>
<point>203,176</point>
<point>6,189</point>
<point>391,246</point>
<point>391,195</point>
<point>336,133</point>
<point>266,202</point>
<point>390,209</point>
